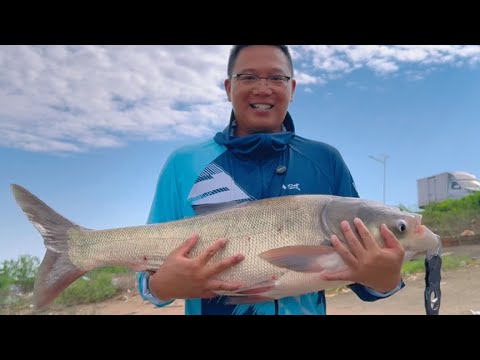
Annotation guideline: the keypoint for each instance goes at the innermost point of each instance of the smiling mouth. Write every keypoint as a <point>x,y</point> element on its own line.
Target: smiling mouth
<point>261,106</point>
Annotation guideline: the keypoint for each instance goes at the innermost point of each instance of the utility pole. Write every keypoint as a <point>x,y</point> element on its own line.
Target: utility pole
<point>382,160</point>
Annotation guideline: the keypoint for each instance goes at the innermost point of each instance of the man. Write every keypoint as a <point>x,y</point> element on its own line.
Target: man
<point>258,156</point>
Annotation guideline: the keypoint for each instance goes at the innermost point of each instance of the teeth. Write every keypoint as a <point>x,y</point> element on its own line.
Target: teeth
<point>262,106</point>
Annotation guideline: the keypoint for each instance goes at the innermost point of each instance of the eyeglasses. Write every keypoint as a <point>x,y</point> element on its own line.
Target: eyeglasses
<point>252,79</point>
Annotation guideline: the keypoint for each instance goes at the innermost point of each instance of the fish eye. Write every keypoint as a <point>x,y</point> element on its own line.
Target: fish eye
<point>402,226</point>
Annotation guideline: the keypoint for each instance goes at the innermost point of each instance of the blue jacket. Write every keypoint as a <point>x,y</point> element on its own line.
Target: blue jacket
<point>258,166</point>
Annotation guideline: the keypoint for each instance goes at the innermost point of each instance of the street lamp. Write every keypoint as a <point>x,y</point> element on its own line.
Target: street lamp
<point>382,160</point>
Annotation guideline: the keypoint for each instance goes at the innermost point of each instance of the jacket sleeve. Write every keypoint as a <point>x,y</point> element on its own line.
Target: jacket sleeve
<point>165,207</point>
<point>346,187</point>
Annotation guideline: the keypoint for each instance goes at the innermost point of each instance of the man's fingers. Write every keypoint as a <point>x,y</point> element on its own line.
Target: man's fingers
<point>343,251</point>
<point>208,295</point>
<point>211,251</point>
<point>345,275</point>
<point>355,245</point>
<point>367,238</point>
<point>390,240</point>
<point>187,246</point>
<point>224,264</point>
<point>217,285</point>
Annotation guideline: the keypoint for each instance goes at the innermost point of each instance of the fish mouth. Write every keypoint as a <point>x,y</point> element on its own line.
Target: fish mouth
<point>437,251</point>
<point>419,229</point>
<point>428,241</point>
<point>425,239</point>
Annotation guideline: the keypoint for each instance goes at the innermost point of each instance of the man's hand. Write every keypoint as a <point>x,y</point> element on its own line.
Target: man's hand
<point>181,277</point>
<point>368,264</point>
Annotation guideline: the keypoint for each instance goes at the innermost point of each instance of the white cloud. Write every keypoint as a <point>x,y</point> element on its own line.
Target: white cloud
<point>382,66</point>
<point>307,79</point>
<point>382,58</point>
<point>74,98</point>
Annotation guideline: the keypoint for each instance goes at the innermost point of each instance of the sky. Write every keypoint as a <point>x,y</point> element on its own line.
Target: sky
<point>87,128</point>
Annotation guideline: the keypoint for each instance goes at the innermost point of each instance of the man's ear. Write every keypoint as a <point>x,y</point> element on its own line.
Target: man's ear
<point>228,88</point>
<point>294,86</point>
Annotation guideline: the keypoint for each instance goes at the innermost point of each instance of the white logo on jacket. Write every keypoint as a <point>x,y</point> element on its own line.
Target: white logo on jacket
<point>291,187</point>
<point>215,185</point>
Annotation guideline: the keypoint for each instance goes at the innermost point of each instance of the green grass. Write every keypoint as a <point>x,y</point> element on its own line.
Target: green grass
<point>96,286</point>
<point>449,262</point>
<point>451,217</point>
<point>17,278</point>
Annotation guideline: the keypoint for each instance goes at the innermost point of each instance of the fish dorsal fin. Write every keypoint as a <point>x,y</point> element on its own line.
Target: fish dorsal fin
<point>208,209</point>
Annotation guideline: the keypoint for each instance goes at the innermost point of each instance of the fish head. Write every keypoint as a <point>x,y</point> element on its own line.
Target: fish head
<point>406,226</point>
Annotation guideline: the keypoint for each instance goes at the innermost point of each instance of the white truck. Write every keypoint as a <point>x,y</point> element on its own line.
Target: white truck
<point>447,185</point>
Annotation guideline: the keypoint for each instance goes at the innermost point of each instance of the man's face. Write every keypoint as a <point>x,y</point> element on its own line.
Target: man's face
<point>258,106</point>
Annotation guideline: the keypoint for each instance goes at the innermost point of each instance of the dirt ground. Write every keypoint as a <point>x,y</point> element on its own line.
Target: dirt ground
<point>460,296</point>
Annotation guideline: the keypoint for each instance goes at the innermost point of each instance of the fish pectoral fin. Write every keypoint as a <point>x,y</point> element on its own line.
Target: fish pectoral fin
<point>245,300</point>
<point>258,288</point>
<point>304,258</point>
<point>255,289</point>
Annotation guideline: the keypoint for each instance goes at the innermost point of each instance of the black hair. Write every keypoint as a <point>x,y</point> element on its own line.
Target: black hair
<point>237,48</point>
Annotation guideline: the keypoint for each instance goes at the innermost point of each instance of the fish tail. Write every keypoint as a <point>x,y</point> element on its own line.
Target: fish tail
<point>56,272</point>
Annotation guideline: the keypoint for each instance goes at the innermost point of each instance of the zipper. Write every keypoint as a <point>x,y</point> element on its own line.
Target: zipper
<point>262,180</point>
<point>268,191</point>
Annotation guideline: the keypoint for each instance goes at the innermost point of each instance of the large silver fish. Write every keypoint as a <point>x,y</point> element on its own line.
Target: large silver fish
<point>285,242</point>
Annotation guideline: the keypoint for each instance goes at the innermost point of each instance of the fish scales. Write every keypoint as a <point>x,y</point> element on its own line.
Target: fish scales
<point>250,230</point>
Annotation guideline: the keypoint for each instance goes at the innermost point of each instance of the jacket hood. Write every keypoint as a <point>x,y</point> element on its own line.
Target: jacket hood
<point>256,146</point>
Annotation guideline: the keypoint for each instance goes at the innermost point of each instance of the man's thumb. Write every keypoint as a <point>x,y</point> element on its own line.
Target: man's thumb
<point>391,242</point>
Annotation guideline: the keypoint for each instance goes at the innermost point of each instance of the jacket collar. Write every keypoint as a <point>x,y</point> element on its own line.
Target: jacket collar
<point>256,146</point>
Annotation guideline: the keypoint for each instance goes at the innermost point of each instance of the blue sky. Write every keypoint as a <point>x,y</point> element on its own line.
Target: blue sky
<point>88,128</point>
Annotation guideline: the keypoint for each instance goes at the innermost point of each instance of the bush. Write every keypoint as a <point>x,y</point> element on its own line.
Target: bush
<point>451,217</point>
<point>21,273</point>
<point>95,286</point>
<point>17,278</point>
